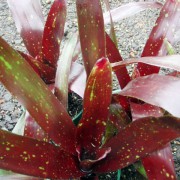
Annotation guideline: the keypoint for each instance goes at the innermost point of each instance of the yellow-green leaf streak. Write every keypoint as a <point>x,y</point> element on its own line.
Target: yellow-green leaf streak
<point>21,80</point>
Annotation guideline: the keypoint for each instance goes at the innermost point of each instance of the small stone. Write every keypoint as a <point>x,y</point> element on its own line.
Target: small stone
<point>178,154</point>
<point>7,118</point>
<point>2,100</point>
<point>8,106</point>
<point>7,96</point>
<point>48,1</point>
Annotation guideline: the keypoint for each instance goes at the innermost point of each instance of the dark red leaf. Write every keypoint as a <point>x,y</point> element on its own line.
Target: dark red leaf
<point>46,72</point>
<point>21,80</point>
<point>159,164</point>
<point>33,130</point>
<point>158,90</point>
<point>114,56</point>
<point>131,144</point>
<point>144,110</point>
<point>29,21</point>
<point>128,10</point>
<point>171,62</point>
<point>117,120</point>
<point>91,31</point>
<point>122,100</point>
<point>167,21</point>
<point>96,104</point>
<point>86,162</point>
<point>53,32</point>
<point>36,158</point>
<point>118,116</point>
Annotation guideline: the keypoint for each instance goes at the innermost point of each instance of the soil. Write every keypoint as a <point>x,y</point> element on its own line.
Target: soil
<point>132,34</point>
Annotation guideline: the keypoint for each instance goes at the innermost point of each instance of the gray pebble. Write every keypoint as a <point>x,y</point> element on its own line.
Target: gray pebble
<point>8,106</point>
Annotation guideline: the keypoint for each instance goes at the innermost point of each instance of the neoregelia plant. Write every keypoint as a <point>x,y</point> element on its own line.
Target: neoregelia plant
<point>115,129</point>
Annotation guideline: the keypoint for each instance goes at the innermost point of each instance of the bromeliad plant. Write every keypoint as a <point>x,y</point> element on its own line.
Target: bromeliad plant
<point>115,130</point>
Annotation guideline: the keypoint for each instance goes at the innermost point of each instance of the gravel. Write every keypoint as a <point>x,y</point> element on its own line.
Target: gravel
<point>132,34</point>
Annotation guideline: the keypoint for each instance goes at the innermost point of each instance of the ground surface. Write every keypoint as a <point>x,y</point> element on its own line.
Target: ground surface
<point>132,34</point>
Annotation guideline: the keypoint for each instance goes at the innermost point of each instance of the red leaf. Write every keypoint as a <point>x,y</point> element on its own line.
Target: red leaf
<point>46,72</point>
<point>131,143</point>
<point>29,21</point>
<point>114,56</point>
<point>158,90</point>
<point>128,10</point>
<point>91,32</point>
<point>167,21</point>
<point>159,164</point>
<point>171,62</point>
<point>97,100</point>
<point>145,110</point>
<point>36,158</point>
<point>117,120</point>
<point>21,80</point>
<point>53,32</point>
<point>118,116</point>
<point>33,130</point>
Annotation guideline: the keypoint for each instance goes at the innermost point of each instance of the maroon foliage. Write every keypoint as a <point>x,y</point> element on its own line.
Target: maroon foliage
<point>91,31</point>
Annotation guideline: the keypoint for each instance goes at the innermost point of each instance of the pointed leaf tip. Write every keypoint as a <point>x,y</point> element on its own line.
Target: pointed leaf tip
<point>97,100</point>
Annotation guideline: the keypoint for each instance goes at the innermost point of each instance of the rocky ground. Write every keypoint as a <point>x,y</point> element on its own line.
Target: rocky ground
<point>132,34</point>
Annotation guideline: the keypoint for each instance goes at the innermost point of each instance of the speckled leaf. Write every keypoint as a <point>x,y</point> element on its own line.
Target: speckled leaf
<point>164,28</point>
<point>53,32</point>
<point>117,120</point>
<point>171,62</point>
<point>158,90</point>
<point>144,110</point>
<point>114,56</point>
<point>20,79</point>
<point>159,164</point>
<point>46,72</point>
<point>63,70</point>
<point>29,21</point>
<point>91,31</point>
<point>131,144</point>
<point>128,10</point>
<point>36,158</point>
<point>33,130</point>
<point>118,116</point>
<point>96,104</point>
